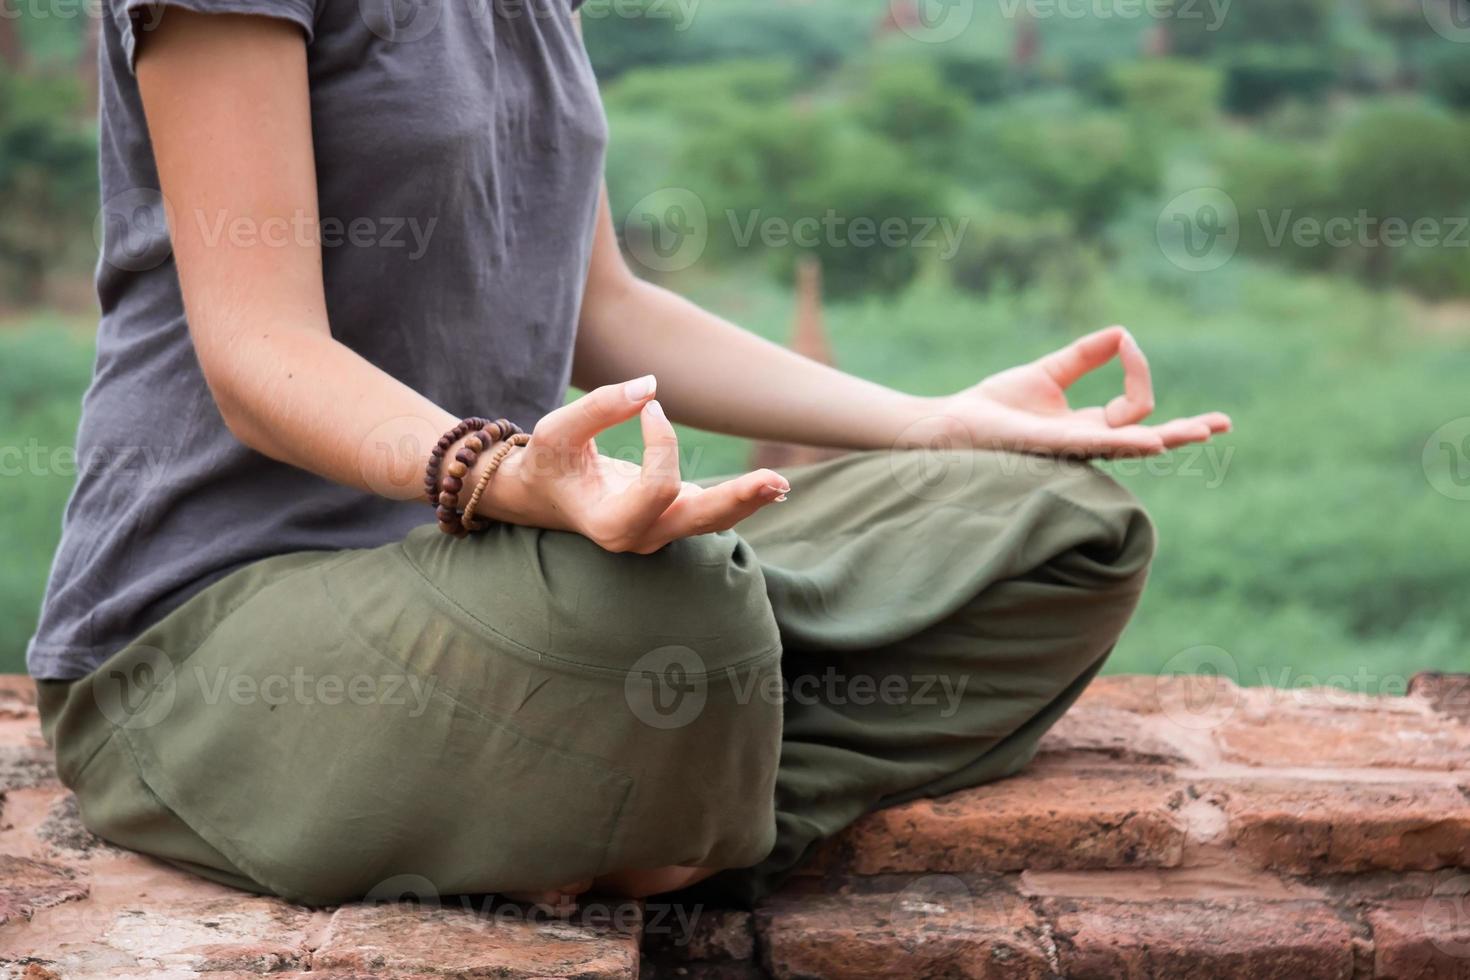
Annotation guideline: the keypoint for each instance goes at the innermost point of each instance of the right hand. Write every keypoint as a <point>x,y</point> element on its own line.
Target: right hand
<point>561,482</point>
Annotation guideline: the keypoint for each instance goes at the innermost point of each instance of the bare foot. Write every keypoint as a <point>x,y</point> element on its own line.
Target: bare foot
<point>656,881</point>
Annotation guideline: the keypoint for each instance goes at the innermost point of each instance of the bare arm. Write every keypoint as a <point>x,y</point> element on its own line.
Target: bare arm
<point>715,376</point>
<point>226,99</point>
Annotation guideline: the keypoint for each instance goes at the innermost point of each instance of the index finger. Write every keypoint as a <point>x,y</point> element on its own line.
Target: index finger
<point>576,424</point>
<point>1083,355</point>
<point>1137,401</point>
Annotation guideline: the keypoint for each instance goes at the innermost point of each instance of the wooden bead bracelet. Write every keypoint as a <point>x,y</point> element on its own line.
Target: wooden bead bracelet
<point>506,447</point>
<point>443,493</point>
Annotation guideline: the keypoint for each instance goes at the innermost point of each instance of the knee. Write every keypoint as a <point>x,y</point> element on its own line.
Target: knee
<point>703,597</point>
<point>1098,533</point>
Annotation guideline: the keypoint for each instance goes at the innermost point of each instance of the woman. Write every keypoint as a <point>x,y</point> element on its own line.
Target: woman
<point>262,661</point>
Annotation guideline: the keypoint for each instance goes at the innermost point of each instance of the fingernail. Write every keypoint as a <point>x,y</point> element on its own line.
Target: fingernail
<point>656,410</point>
<point>776,492</point>
<point>640,388</point>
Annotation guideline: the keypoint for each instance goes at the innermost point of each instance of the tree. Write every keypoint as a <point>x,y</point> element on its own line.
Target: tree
<point>48,177</point>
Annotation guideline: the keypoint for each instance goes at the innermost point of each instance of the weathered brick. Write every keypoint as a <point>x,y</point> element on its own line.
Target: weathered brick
<point>1193,701</point>
<point>929,927</point>
<point>17,697</point>
<point>1422,940</point>
<point>1092,733</point>
<point>1318,826</point>
<point>211,931</point>
<point>1042,819</point>
<point>27,885</point>
<point>1345,738</point>
<point>502,941</point>
<point>1447,694</point>
<point>1108,939</point>
<point>26,764</point>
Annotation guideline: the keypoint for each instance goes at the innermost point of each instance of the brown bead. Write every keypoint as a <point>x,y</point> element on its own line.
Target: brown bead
<point>453,484</point>
<point>446,513</point>
<point>456,468</point>
<point>475,443</point>
<point>467,456</point>
<point>448,499</point>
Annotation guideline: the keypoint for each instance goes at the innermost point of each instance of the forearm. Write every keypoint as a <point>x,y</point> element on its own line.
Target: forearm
<point>713,375</point>
<point>299,396</point>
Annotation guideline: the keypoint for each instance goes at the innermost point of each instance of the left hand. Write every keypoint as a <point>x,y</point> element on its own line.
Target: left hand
<point>1025,409</point>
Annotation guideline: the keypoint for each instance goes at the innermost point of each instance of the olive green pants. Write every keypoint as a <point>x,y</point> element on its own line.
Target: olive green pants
<point>521,709</point>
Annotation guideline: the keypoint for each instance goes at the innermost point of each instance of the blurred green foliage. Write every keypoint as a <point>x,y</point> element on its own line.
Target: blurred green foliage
<point>1319,542</point>
<point>48,179</point>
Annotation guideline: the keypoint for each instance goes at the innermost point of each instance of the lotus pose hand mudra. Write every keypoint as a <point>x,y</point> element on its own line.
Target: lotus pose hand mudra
<point>264,661</point>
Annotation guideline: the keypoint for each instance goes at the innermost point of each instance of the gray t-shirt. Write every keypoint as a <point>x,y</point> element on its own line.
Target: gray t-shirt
<point>459,147</point>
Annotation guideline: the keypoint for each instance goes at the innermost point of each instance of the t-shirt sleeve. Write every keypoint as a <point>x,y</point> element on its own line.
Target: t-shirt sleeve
<point>135,18</point>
